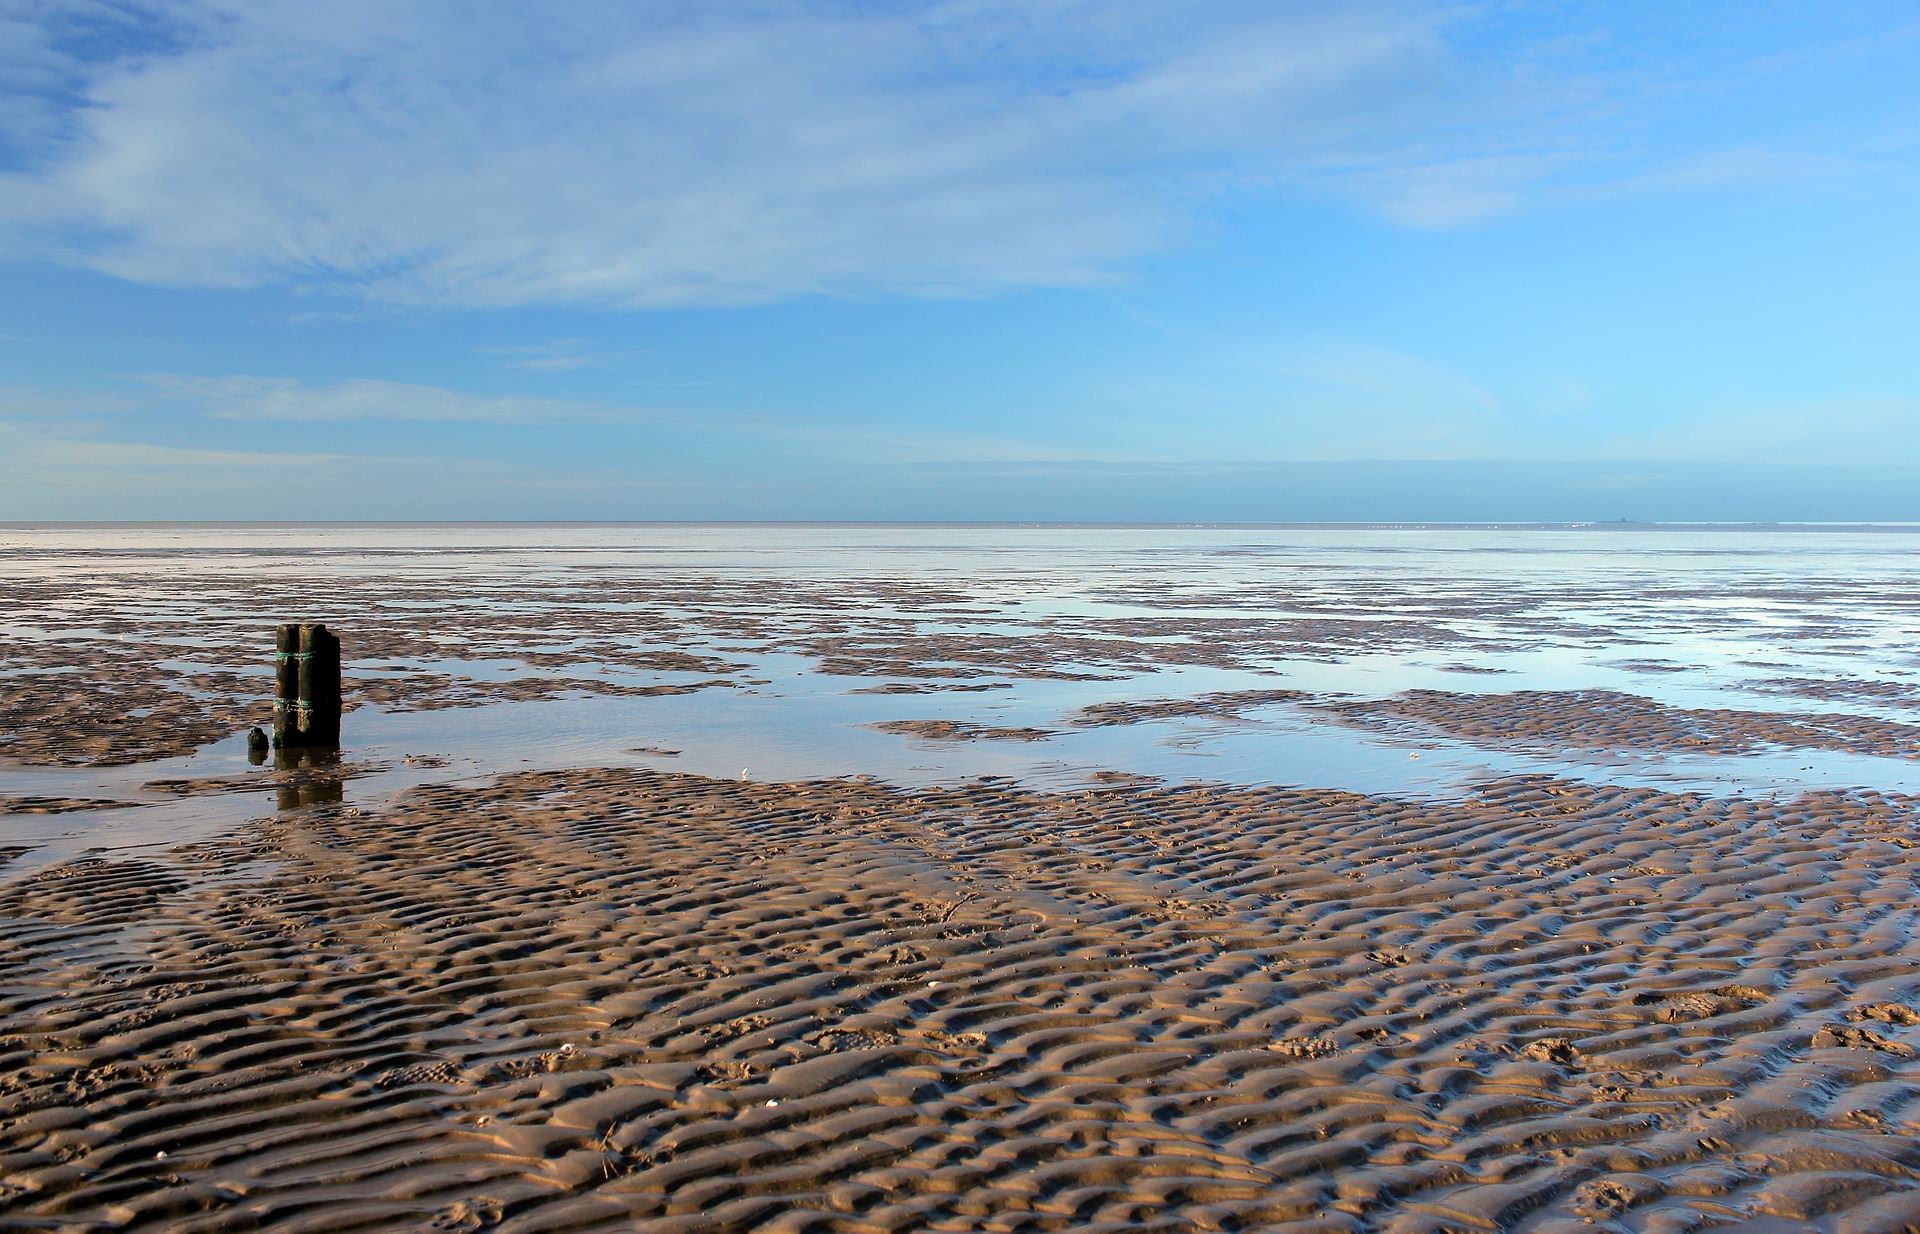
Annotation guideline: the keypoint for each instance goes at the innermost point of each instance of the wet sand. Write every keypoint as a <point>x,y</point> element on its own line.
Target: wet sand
<point>1610,720</point>
<point>570,1001</point>
<point>958,730</point>
<point>619,997</point>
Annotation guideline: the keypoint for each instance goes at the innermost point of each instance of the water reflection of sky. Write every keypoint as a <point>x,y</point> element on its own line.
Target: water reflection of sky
<point>1556,609</point>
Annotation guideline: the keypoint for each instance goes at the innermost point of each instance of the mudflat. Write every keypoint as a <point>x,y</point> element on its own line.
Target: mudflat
<point>545,988</point>
<point>570,1000</point>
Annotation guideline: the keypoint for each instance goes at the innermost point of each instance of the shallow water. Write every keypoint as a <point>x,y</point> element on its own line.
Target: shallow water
<point>1692,617</point>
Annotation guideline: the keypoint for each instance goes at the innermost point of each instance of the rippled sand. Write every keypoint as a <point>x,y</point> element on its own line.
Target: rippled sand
<point>571,1000</point>
<point>415,989</point>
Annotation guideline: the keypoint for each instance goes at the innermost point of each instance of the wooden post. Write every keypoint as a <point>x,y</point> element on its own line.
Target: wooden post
<point>320,685</point>
<point>306,703</point>
<point>286,684</point>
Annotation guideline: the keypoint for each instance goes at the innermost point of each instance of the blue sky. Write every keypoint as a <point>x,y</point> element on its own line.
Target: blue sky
<point>1045,260</point>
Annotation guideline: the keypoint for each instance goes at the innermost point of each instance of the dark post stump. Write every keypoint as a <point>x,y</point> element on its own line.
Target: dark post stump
<point>320,685</point>
<point>306,704</point>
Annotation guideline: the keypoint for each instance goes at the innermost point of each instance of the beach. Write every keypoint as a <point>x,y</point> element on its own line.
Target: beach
<point>816,878</point>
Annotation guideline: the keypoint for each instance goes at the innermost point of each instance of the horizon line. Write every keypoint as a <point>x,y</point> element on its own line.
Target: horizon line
<point>1116,524</point>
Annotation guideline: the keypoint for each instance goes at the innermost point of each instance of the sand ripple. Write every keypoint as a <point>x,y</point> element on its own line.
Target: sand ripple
<point>1611,720</point>
<point>579,1000</point>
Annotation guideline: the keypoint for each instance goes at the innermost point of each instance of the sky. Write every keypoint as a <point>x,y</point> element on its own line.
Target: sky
<point>960,259</point>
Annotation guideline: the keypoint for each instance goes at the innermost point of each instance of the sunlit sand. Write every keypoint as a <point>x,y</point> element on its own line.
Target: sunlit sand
<point>884,878</point>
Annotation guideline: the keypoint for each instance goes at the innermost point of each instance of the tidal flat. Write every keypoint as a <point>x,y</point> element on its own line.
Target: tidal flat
<point>864,878</point>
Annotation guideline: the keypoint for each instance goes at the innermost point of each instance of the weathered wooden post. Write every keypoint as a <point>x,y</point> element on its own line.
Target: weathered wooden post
<point>306,702</point>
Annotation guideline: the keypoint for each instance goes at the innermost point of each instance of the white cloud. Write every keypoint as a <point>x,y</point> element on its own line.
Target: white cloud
<point>648,155</point>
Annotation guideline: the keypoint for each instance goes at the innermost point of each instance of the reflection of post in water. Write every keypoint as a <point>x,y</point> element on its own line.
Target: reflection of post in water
<point>311,777</point>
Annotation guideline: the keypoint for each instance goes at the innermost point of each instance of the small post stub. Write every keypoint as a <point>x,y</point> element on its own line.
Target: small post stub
<point>306,701</point>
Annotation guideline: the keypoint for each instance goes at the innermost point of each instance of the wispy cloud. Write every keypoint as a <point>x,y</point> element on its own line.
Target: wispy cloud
<point>868,444</point>
<point>288,399</point>
<point>1450,192</point>
<point>68,470</point>
<point>33,448</point>
<point>561,354</point>
<point>656,155</point>
<point>1849,430</point>
<point>95,454</point>
<point>1304,396</point>
<point>37,403</point>
<point>56,471</point>
<point>247,398</point>
<point>1739,165</point>
<point>1418,385</point>
<point>327,317</point>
